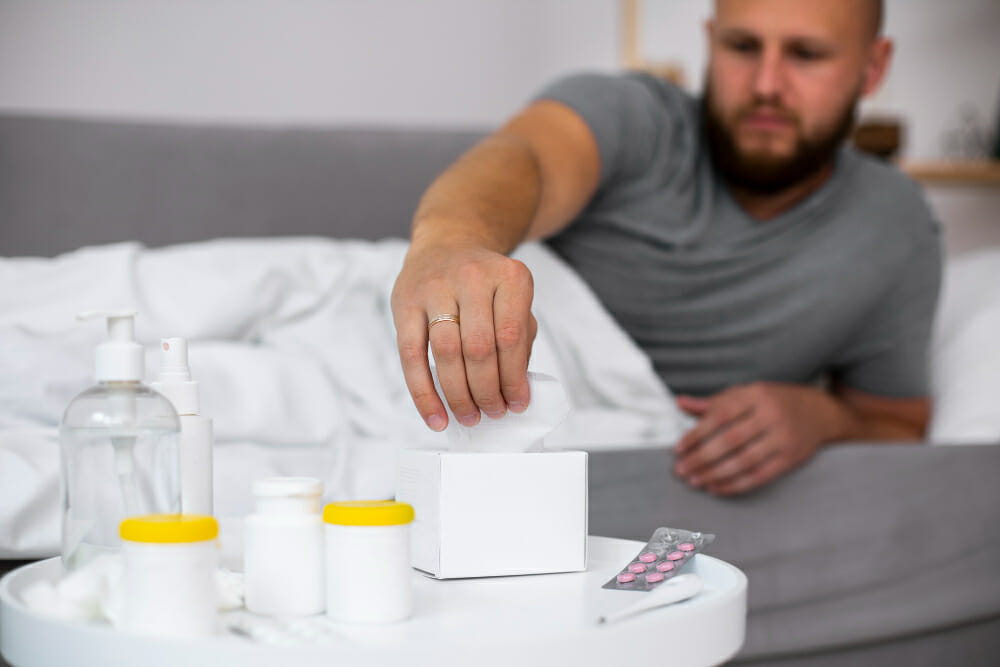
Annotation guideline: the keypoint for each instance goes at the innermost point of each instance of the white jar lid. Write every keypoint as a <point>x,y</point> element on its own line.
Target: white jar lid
<point>287,487</point>
<point>288,495</point>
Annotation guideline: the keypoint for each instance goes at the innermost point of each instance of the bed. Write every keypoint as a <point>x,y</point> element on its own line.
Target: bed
<point>871,554</point>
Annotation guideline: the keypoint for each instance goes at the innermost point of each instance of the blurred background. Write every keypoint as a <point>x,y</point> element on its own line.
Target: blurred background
<point>440,62</point>
<point>455,63</point>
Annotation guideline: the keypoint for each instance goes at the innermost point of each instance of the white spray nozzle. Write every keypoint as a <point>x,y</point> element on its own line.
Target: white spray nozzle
<point>175,377</point>
<point>175,360</point>
<point>119,358</point>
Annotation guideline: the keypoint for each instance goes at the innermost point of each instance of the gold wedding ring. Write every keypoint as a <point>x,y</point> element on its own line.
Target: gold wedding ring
<point>442,318</point>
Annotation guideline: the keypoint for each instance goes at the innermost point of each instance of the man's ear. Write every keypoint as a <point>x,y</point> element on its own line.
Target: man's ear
<point>877,65</point>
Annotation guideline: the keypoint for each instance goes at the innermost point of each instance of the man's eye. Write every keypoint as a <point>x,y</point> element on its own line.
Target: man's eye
<point>807,54</point>
<point>743,46</point>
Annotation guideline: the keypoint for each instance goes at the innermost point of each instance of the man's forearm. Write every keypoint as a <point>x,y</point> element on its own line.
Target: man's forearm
<point>851,421</point>
<point>487,198</point>
<point>879,427</point>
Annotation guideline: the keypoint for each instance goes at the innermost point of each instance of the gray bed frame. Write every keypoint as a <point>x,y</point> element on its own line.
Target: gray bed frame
<point>871,554</point>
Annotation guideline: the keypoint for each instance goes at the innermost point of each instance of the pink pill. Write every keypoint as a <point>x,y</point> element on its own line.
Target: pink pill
<point>648,557</point>
<point>636,568</point>
<point>675,555</point>
<point>665,567</point>
<point>687,546</point>
<point>625,577</point>
<point>654,577</point>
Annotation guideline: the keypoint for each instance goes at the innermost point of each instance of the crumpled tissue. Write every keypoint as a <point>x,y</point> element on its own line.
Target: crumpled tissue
<point>514,432</point>
<point>94,593</point>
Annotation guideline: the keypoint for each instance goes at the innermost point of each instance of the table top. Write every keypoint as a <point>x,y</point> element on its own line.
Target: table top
<point>524,620</point>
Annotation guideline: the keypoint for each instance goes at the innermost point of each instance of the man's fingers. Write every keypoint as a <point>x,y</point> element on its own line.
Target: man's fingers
<point>411,339</point>
<point>754,478</point>
<point>693,405</point>
<point>724,442</point>
<point>480,352</point>
<point>446,345</point>
<point>722,410</point>
<point>481,361</point>
<point>749,456</point>
<point>515,331</point>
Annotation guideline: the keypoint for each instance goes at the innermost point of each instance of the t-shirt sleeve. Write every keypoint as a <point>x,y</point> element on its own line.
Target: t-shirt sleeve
<point>632,117</point>
<point>889,355</point>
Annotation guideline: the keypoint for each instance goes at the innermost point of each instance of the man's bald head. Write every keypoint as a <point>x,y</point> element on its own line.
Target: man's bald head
<point>874,15</point>
<point>871,13</point>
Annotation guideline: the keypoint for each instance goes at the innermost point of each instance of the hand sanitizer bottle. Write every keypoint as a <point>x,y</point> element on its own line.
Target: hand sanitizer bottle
<point>196,430</point>
<point>118,445</point>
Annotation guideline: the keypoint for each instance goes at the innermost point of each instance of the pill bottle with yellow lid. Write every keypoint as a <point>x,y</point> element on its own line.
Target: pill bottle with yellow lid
<point>168,576</point>
<point>368,574</point>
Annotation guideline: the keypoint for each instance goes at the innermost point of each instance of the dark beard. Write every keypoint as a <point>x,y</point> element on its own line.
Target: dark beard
<point>769,175</point>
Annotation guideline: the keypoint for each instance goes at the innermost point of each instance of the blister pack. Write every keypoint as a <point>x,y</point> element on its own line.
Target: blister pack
<point>667,551</point>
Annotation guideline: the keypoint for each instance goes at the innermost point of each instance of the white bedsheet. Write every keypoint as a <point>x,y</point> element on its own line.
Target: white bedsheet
<point>965,354</point>
<point>293,343</point>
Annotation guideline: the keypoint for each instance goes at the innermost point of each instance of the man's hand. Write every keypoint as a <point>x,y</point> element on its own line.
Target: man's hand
<point>482,361</point>
<point>748,435</point>
<point>527,181</point>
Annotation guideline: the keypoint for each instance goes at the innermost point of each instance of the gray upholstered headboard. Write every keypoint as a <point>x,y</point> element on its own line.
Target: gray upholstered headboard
<point>69,182</point>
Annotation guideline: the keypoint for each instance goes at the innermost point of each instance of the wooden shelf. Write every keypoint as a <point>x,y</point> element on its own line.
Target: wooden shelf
<point>984,172</point>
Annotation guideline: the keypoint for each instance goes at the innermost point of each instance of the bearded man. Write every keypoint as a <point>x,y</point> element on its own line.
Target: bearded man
<point>783,284</point>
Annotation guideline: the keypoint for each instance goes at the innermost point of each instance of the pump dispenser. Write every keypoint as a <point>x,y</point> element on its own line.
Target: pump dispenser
<point>196,430</point>
<point>118,445</point>
<point>120,358</point>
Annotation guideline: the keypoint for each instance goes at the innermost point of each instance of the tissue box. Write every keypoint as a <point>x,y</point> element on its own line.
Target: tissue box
<point>495,514</point>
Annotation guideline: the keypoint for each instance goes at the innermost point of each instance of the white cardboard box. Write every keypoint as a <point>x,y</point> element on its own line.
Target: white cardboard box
<point>495,514</point>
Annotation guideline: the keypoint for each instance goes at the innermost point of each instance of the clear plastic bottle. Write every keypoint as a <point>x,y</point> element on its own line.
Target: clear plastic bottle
<point>119,450</point>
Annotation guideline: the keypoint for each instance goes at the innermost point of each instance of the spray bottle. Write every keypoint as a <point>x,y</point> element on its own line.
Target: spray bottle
<point>118,446</point>
<point>196,430</point>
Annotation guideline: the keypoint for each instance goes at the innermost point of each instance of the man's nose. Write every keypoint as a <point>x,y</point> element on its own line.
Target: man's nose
<point>768,81</point>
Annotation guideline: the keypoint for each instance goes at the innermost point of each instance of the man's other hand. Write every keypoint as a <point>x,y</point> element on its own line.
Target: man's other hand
<point>482,360</point>
<point>749,435</point>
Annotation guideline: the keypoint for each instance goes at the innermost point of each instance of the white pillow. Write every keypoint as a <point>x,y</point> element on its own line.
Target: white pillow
<point>965,352</point>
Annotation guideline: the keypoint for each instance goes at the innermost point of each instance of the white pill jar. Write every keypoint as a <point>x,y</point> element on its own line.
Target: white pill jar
<point>283,548</point>
<point>168,575</point>
<point>368,575</point>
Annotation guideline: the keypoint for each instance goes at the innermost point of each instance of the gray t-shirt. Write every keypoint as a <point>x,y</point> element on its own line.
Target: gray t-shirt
<point>843,285</point>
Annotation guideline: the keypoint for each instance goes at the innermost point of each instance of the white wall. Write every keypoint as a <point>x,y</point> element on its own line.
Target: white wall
<point>947,58</point>
<point>427,62</point>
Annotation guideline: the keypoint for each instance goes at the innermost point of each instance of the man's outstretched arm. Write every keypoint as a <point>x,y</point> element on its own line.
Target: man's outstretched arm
<point>528,180</point>
<point>749,435</point>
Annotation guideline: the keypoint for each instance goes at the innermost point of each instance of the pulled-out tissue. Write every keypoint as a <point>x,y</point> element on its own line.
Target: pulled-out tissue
<point>514,432</point>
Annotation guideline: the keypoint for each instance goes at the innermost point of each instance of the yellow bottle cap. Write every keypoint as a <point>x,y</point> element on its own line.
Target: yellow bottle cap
<point>169,528</point>
<point>368,513</point>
